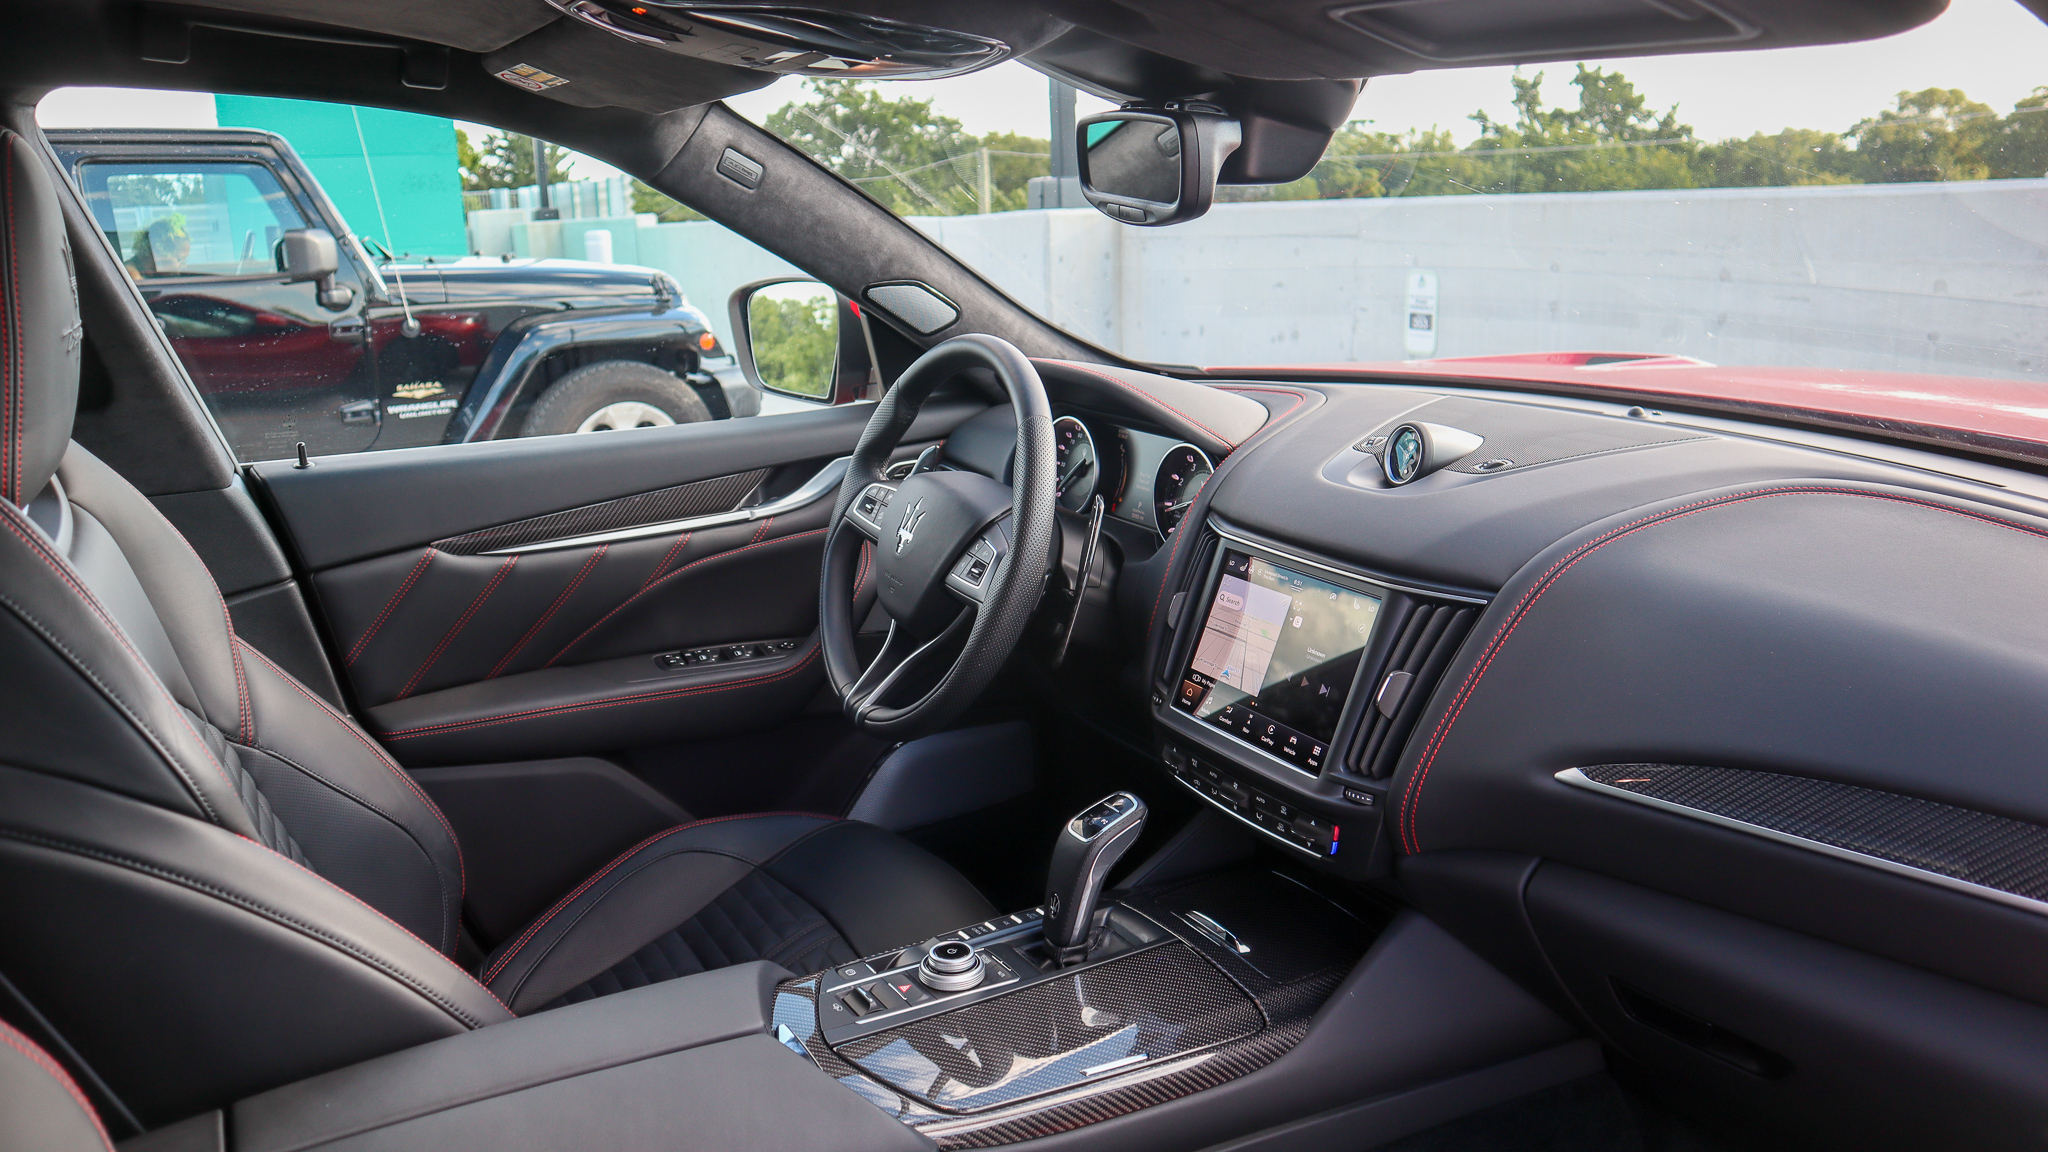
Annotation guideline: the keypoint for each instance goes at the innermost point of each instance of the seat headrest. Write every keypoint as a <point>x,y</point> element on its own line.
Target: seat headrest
<point>40,333</point>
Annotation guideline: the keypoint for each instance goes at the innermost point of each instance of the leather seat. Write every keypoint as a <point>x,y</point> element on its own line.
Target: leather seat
<point>212,882</point>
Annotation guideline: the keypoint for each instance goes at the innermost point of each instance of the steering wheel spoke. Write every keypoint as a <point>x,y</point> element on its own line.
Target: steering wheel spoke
<point>867,511</point>
<point>904,662</point>
<point>973,575</point>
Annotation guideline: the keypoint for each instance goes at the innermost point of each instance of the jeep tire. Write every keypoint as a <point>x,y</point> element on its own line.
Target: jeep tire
<point>612,394</point>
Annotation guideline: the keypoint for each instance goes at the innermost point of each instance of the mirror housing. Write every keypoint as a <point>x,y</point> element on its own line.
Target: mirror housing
<point>1154,166</point>
<point>312,254</point>
<point>798,338</point>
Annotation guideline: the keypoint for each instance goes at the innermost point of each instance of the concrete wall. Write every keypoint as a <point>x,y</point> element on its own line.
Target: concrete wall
<point>1948,277</point>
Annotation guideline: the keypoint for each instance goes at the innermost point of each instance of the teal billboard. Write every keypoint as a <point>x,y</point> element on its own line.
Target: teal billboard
<point>393,175</point>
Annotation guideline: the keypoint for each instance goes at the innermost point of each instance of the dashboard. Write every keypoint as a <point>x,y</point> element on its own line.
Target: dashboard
<point>1143,478</point>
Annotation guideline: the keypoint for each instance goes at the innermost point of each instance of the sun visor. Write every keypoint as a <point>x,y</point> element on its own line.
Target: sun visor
<point>577,64</point>
<point>471,25</point>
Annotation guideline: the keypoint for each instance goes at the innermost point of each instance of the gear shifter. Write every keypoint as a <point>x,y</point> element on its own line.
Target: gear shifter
<point>1088,847</point>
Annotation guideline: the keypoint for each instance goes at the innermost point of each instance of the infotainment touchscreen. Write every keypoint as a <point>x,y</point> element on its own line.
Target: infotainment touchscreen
<point>1276,656</point>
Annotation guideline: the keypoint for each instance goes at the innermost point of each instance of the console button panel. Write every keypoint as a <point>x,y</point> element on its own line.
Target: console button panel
<point>1281,819</point>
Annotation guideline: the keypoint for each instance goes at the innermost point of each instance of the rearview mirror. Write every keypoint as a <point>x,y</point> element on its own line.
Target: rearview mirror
<point>311,254</point>
<point>787,333</point>
<point>1153,167</point>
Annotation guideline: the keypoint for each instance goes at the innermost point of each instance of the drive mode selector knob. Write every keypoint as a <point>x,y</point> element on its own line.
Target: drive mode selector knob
<point>951,967</point>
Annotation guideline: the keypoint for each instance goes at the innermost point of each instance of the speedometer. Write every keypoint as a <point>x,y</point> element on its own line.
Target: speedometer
<point>1075,463</point>
<point>1174,487</point>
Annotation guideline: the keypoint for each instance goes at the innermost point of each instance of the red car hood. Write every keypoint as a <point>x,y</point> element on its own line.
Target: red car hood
<point>2001,417</point>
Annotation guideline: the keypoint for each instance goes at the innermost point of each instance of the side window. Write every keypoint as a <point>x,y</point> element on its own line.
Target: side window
<point>186,220</point>
<point>459,298</point>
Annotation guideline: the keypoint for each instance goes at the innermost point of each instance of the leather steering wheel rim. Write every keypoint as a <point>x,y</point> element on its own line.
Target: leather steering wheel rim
<point>1015,583</point>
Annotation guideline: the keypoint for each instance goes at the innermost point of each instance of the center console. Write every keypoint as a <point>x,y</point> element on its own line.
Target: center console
<point>1290,684</point>
<point>1179,989</point>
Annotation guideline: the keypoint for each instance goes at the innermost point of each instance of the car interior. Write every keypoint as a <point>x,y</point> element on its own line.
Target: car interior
<point>1635,777</point>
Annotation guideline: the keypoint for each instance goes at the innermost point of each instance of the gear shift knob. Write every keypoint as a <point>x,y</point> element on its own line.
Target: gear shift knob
<point>1088,847</point>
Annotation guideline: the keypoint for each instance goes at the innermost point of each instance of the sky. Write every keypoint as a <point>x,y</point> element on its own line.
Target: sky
<point>1994,50</point>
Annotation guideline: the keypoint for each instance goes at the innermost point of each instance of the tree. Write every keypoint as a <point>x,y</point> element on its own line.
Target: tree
<point>912,160</point>
<point>2019,145</point>
<point>667,209</point>
<point>1793,156</point>
<point>1612,140</point>
<point>505,160</point>
<point>1933,134</point>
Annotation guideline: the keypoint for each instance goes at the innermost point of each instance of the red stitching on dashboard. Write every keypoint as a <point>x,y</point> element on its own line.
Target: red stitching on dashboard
<point>383,757</point>
<point>1297,397</point>
<point>665,579</point>
<point>461,622</point>
<point>42,1060</point>
<point>622,857</point>
<point>1411,796</point>
<point>548,615</point>
<point>1135,390</point>
<point>606,702</point>
<point>1172,555</point>
<point>391,606</point>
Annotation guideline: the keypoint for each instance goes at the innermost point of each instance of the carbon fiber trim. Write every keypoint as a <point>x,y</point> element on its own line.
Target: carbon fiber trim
<point>1970,849</point>
<point>1235,993</point>
<point>697,498</point>
<point>1056,1034</point>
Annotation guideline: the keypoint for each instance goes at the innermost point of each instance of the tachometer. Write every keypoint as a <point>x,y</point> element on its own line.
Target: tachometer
<point>1077,466</point>
<point>1177,483</point>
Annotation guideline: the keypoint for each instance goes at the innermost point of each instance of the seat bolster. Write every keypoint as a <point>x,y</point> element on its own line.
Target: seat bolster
<point>360,818</point>
<point>44,1107</point>
<point>180,587</point>
<point>880,890</point>
<point>646,891</point>
<point>191,966</point>
<point>99,713</point>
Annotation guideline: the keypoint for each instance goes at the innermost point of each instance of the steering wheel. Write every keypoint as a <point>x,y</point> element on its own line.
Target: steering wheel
<point>959,559</point>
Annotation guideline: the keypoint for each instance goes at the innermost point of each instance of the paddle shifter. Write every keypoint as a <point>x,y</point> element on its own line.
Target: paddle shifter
<point>1088,847</point>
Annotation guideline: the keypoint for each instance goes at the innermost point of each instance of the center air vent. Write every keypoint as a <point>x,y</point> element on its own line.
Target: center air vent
<point>1424,641</point>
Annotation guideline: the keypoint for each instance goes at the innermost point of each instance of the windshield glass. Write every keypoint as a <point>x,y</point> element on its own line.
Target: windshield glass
<point>1870,206</point>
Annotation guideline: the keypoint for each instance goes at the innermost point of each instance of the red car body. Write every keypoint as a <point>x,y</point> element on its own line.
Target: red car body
<point>2006,418</point>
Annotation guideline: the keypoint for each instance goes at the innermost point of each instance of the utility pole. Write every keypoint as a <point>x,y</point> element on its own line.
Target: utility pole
<point>1061,189</point>
<point>982,183</point>
<point>540,179</point>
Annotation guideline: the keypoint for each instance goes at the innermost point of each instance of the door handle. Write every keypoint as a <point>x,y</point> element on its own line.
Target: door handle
<point>348,328</point>
<point>362,412</point>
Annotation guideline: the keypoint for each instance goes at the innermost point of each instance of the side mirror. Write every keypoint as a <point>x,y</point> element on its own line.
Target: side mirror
<point>1153,167</point>
<point>311,254</point>
<point>789,337</point>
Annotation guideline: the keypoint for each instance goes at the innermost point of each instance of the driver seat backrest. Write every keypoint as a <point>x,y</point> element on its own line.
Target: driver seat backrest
<point>211,881</point>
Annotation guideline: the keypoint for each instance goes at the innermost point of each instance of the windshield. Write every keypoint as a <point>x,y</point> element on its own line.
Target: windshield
<point>1870,206</point>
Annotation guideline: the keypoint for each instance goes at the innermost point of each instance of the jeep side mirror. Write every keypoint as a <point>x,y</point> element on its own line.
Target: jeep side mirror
<point>788,338</point>
<point>1153,166</point>
<point>311,254</point>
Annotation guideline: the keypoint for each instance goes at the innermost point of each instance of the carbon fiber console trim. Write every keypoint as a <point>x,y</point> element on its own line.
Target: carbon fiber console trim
<point>1990,856</point>
<point>1247,1018</point>
<point>698,498</point>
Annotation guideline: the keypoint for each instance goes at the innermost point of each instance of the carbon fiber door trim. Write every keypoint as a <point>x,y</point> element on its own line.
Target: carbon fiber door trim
<point>1984,855</point>
<point>651,509</point>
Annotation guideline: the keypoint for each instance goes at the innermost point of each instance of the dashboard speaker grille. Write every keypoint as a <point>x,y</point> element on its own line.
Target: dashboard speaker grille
<point>1941,840</point>
<point>1425,639</point>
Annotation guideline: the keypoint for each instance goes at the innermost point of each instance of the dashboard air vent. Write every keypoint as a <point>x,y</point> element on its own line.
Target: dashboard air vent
<point>1426,639</point>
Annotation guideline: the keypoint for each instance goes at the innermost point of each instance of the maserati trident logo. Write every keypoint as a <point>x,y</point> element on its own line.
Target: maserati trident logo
<point>907,531</point>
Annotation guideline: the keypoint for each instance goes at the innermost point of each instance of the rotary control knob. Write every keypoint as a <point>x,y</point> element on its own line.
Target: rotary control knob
<point>953,966</point>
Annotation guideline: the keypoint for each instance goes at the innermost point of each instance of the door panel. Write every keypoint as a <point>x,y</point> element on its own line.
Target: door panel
<point>474,622</point>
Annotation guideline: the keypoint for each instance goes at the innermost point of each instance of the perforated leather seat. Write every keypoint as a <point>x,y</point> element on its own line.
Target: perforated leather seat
<point>212,882</point>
